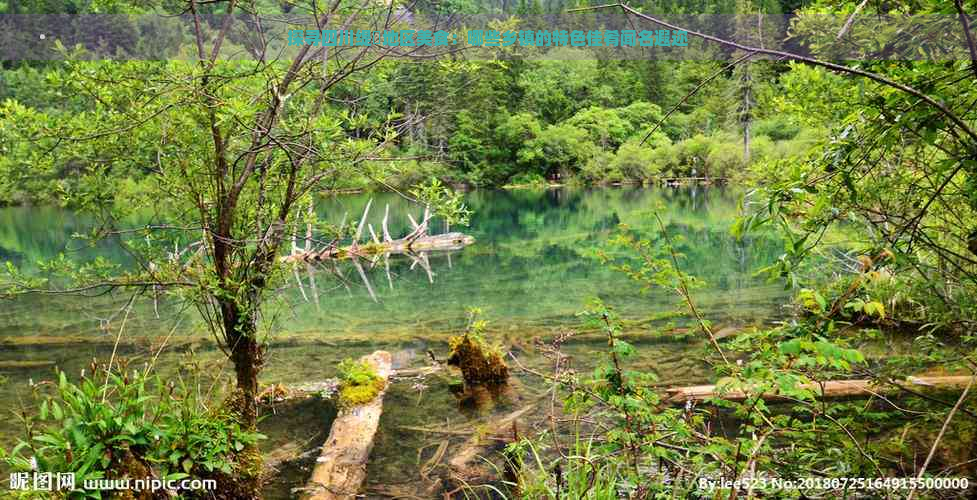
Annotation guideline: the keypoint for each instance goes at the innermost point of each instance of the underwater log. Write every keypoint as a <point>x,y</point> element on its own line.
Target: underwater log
<point>341,468</point>
<point>828,389</point>
<point>465,465</point>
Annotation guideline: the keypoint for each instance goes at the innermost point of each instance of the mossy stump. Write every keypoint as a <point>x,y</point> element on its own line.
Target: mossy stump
<point>480,364</point>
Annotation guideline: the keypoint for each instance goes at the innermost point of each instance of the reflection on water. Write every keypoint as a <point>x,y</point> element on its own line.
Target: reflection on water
<point>532,264</point>
<point>530,270</point>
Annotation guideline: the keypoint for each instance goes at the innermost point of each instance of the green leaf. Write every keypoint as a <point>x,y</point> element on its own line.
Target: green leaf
<point>791,347</point>
<point>875,308</point>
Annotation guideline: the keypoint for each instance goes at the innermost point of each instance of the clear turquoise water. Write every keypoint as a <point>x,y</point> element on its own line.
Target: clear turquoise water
<point>531,271</point>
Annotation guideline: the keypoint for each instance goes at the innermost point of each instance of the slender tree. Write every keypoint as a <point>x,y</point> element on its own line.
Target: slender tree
<point>235,149</point>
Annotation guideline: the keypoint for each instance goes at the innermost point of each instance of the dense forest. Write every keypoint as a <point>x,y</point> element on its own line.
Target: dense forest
<point>484,119</point>
<point>847,130</point>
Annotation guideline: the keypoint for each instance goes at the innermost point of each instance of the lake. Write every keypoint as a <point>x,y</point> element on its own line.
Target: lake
<point>531,270</point>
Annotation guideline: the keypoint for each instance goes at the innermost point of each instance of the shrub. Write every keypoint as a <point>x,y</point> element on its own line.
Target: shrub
<point>518,129</point>
<point>778,128</point>
<point>606,127</point>
<point>666,159</point>
<point>479,362</point>
<point>724,159</point>
<point>410,173</point>
<point>635,162</point>
<point>528,179</point>
<point>641,114</point>
<point>559,148</point>
<point>599,170</point>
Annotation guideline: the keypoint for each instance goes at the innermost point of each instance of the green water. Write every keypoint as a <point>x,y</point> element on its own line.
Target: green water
<point>531,270</point>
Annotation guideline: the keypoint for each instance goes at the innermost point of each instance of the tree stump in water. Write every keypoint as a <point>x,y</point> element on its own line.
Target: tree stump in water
<point>479,363</point>
<point>341,468</point>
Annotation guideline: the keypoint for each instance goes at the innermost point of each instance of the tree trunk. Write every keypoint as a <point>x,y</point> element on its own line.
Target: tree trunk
<point>247,354</point>
<point>823,390</point>
<point>746,142</point>
<point>747,111</point>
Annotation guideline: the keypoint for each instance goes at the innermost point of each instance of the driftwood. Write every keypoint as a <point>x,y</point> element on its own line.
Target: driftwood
<point>417,241</point>
<point>341,468</point>
<point>829,389</point>
<point>417,245</point>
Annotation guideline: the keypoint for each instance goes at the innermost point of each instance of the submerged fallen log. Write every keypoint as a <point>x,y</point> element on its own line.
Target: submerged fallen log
<point>341,468</point>
<point>24,365</point>
<point>828,389</point>
<point>468,465</point>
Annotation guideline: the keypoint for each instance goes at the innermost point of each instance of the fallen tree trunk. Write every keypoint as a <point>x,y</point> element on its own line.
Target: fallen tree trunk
<point>465,464</point>
<point>438,242</point>
<point>418,240</point>
<point>828,389</point>
<point>341,468</point>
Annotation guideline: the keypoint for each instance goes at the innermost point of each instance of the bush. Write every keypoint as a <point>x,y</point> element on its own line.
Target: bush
<point>635,162</point>
<point>665,158</point>
<point>600,170</point>
<point>641,114</point>
<point>778,128</point>
<point>527,179</point>
<point>479,361</point>
<point>517,130</point>
<point>410,173</point>
<point>606,127</point>
<point>724,159</point>
<point>558,149</point>
<point>691,154</point>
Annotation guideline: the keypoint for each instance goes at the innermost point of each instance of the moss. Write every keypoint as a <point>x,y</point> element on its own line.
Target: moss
<point>358,383</point>
<point>479,363</point>
<point>373,248</point>
<point>353,395</point>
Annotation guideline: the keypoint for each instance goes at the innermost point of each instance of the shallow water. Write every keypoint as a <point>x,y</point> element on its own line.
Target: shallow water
<point>531,271</point>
